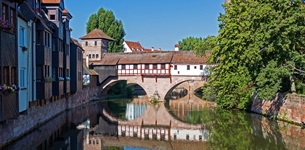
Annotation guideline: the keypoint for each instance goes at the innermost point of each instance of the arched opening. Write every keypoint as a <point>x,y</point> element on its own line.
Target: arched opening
<point>178,91</point>
<point>121,89</point>
<point>126,101</point>
<point>198,92</point>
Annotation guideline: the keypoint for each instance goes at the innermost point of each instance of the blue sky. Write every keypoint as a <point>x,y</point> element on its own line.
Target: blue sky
<point>154,23</point>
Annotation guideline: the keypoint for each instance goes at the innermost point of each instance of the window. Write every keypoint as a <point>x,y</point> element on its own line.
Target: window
<point>13,75</point>
<point>96,55</point>
<point>52,17</point>
<point>89,55</point>
<point>93,55</point>
<point>38,37</point>
<point>22,36</point>
<point>86,43</point>
<point>146,66</point>
<point>162,66</point>
<point>67,73</point>
<point>54,71</point>
<point>95,43</point>
<point>195,67</point>
<point>23,78</point>
<point>135,66</point>
<point>123,66</point>
<point>37,3</point>
<point>47,39</point>
<point>4,12</point>
<point>12,16</point>
<point>6,75</point>
<point>175,67</point>
<point>201,67</point>
<point>155,66</point>
<point>188,67</point>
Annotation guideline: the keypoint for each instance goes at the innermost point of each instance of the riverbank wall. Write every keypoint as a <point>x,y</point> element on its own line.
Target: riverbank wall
<point>289,107</point>
<point>37,115</point>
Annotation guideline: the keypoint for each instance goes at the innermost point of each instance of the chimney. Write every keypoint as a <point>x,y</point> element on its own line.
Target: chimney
<point>176,47</point>
<point>152,49</point>
<point>159,49</point>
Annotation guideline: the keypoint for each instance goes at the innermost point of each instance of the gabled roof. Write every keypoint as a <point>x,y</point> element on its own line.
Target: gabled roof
<point>134,46</point>
<point>97,34</point>
<point>51,1</point>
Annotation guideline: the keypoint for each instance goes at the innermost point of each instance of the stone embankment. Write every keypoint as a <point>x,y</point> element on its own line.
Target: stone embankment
<point>290,107</point>
<point>35,116</point>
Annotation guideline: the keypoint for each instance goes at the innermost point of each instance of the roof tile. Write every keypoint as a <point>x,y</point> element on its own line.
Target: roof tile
<point>97,34</point>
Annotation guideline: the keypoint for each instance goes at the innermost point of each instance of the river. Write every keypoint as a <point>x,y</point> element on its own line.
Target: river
<point>162,126</point>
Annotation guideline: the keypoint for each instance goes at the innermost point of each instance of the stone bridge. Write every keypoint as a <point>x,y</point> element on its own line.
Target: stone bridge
<point>160,86</point>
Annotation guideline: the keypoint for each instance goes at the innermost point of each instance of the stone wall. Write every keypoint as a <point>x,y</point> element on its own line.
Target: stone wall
<point>38,115</point>
<point>290,107</point>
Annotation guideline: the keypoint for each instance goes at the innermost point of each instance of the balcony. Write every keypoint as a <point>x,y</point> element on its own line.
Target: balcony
<point>8,106</point>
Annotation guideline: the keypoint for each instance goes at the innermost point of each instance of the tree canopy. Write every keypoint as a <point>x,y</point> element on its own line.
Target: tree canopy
<point>105,21</point>
<point>200,45</point>
<point>259,49</point>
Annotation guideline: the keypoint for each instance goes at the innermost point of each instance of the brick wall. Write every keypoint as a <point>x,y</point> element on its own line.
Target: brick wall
<point>290,107</point>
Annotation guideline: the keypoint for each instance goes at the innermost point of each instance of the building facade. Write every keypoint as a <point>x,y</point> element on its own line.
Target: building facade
<point>8,60</point>
<point>95,44</point>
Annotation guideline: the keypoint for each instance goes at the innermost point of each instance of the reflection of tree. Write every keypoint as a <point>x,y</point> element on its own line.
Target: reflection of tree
<point>236,130</point>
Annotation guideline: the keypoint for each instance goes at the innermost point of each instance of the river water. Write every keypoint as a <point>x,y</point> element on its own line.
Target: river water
<point>189,127</point>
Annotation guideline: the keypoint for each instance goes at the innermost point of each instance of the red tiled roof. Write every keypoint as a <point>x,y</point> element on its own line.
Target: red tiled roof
<point>51,1</point>
<point>188,57</point>
<point>97,34</point>
<point>65,11</point>
<point>134,46</point>
<point>155,57</point>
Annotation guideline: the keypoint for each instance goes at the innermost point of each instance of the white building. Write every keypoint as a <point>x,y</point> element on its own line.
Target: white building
<point>130,47</point>
<point>187,63</point>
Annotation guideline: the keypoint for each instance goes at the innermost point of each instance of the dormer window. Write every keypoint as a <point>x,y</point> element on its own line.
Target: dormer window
<point>52,17</point>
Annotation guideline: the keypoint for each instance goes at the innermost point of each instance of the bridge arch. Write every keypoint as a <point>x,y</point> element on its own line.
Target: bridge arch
<point>112,82</point>
<point>151,85</point>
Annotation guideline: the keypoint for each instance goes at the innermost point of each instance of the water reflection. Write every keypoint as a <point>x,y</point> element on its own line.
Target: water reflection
<point>142,125</point>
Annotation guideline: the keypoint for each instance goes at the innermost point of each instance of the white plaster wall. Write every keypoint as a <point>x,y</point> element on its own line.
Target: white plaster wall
<point>194,70</point>
<point>126,48</point>
<point>181,134</point>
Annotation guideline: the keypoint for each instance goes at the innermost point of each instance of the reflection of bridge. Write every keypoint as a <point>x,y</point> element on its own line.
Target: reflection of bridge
<point>157,123</point>
<point>157,73</point>
<point>154,125</point>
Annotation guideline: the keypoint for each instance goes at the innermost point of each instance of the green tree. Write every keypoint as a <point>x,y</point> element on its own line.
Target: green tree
<point>105,21</point>
<point>200,45</point>
<point>259,47</point>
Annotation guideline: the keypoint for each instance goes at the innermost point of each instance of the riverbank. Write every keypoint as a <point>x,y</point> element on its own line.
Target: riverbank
<point>289,107</point>
<point>37,115</point>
